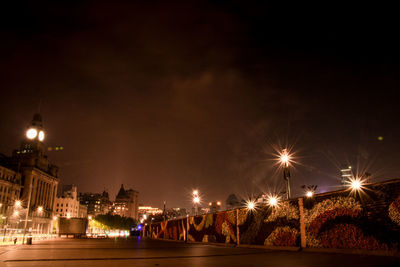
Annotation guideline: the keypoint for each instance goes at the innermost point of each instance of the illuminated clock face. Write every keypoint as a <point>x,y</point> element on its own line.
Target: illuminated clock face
<point>41,136</point>
<point>31,133</point>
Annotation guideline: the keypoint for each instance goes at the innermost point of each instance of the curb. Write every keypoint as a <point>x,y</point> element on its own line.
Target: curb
<point>294,249</point>
<point>352,251</point>
<point>280,248</point>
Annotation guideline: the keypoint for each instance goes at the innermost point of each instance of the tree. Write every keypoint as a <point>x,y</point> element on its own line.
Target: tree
<point>116,221</point>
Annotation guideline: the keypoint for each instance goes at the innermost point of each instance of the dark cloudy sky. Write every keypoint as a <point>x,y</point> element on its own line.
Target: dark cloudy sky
<point>169,96</point>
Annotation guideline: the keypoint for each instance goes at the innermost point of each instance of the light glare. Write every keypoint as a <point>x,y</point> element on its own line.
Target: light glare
<point>31,133</point>
<point>273,201</point>
<point>18,203</point>
<point>41,136</point>
<point>251,205</point>
<point>309,194</point>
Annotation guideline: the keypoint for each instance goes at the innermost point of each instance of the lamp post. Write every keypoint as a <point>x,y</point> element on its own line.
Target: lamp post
<point>27,212</point>
<point>285,158</point>
<point>196,201</point>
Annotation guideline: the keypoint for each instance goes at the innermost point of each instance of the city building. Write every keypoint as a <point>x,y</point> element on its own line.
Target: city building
<point>10,187</point>
<point>126,203</point>
<point>95,203</point>
<point>39,180</point>
<point>68,204</point>
<point>346,174</point>
<point>147,210</point>
<point>233,202</point>
<point>214,206</point>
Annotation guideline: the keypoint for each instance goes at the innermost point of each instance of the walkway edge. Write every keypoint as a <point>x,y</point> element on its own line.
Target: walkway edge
<point>353,251</point>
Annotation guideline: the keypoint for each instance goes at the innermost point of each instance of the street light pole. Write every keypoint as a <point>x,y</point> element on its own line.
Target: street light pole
<point>286,172</point>
<point>27,212</point>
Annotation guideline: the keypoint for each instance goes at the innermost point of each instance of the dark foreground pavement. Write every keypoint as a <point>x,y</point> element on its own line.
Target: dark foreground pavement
<point>139,252</point>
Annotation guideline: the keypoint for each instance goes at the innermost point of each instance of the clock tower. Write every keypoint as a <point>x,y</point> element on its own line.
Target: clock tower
<point>39,178</point>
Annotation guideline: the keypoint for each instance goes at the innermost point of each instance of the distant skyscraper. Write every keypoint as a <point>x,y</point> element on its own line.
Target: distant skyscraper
<point>346,174</point>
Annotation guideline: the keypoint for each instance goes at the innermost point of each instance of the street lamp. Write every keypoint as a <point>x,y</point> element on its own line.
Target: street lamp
<point>196,201</point>
<point>309,190</point>
<point>250,205</point>
<point>272,201</point>
<point>18,203</point>
<point>285,159</point>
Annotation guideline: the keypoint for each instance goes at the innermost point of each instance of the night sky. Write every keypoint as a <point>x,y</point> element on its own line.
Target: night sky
<point>169,96</point>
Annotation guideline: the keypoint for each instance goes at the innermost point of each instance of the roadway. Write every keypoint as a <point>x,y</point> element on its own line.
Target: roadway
<point>140,252</point>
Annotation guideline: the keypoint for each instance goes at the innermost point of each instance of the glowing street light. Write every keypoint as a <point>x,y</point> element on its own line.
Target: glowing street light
<point>285,159</point>
<point>309,193</point>
<point>272,201</point>
<point>55,218</point>
<point>40,209</point>
<point>90,217</point>
<point>18,203</point>
<point>356,185</point>
<point>196,201</point>
<point>218,203</point>
<point>16,213</point>
<point>251,205</point>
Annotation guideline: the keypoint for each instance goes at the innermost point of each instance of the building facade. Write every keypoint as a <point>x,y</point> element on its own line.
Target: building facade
<point>126,203</point>
<point>10,188</point>
<point>95,203</point>
<point>68,204</point>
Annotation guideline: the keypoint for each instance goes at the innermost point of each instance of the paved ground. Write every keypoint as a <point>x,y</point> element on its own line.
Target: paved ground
<point>139,252</point>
